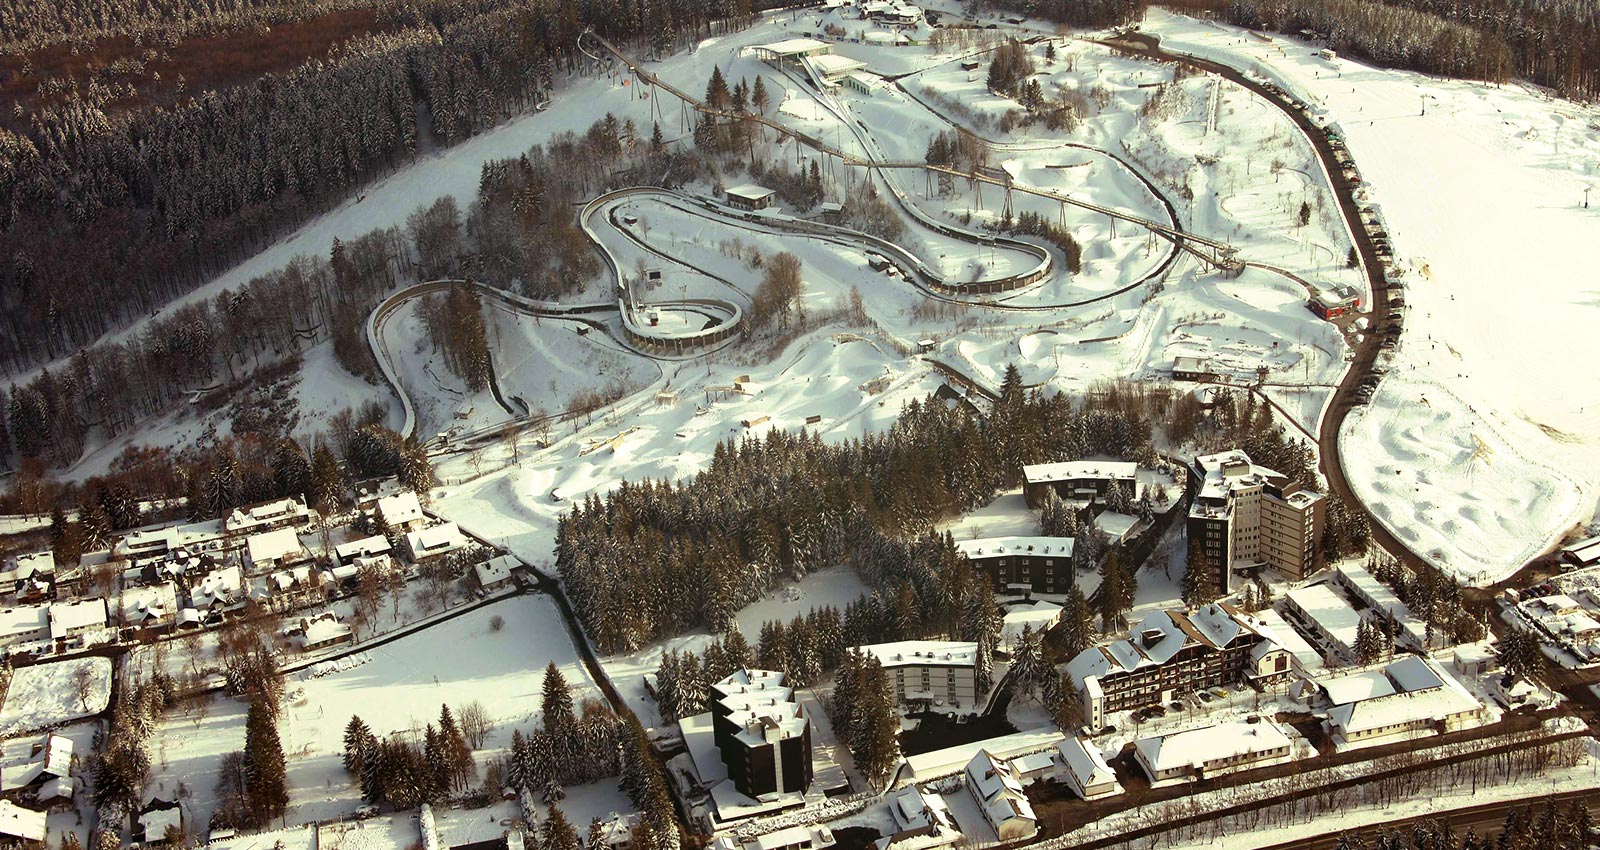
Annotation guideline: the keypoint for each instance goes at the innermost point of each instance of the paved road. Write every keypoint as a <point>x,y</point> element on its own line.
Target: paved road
<point>1366,351</point>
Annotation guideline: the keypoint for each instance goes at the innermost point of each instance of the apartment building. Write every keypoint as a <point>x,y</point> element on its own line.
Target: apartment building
<point>1022,564</point>
<point>930,674</point>
<point>1244,516</point>
<point>761,733</point>
<point>1173,652</point>
<point>1078,480</point>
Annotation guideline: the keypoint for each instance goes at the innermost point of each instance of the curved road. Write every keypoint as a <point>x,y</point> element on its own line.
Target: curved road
<point>1366,351</point>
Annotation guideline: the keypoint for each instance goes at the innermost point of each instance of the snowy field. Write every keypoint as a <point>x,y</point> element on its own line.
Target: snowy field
<point>398,690</point>
<point>1481,186</point>
<point>47,695</point>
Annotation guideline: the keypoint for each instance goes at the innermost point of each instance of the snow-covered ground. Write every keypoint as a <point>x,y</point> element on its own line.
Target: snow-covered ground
<point>400,688</point>
<point>1480,449</point>
<point>51,694</point>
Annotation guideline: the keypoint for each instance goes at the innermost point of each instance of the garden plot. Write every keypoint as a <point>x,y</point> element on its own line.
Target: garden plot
<point>46,695</point>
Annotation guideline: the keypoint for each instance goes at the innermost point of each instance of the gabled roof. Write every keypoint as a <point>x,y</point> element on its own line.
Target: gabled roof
<point>21,823</point>
<point>435,539</point>
<point>1085,762</point>
<point>914,810</point>
<point>377,544</point>
<point>272,545</point>
<point>998,789</point>
<point>400,508</point>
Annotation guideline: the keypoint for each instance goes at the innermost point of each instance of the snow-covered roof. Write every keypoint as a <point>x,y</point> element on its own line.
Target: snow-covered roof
<point>400,508</point>
<point>18,822</point>
<point>1331,613</point>
<point>1195,748</point>
<point>1085,762</point>
<point>69,617</point>
<point>794,47</point>
<point>1037,615</point>
<point>998,789</point>
<point>817,836</point>
<point>1075,470</point>
<point>377,544</point>
<point>1585,552</point>
<point>1160,636</point>
<point>435,540</point>
<point>834,65</point>
<point>53,759</point>
<point>914,810</point>
<point>495,570</point>
<point>272,546</point>
<point>911,653</point>
<point>1287,637</point>
<point>750,192</point>
<point>1378,595</point>
<point>999,547</point>
<point>1114,525</point>
<point>24,621</point>
<point>323,629</point>
<point>1224,472</point>
<point>29,564</point>
<point>156,602</point>
<point>1420,690</point>
<point>218,587</point>
<point>255,516</point>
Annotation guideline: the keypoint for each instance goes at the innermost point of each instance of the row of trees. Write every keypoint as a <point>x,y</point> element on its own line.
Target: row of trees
<point>121,758</point>
<point>1431,595</point>
<point>864,716</point>
<point>1547,826</point>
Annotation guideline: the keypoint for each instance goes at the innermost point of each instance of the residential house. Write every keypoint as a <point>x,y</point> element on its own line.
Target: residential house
<point>997,789</point>
<point>282,513</point>
<point>1083,768</point>
<point>24,627</point>
<point>921,818</point>
<point>367,547</point>
<point>402,512</point>
<point>273,550</point>
<point>496,573</point>
<point>21,824</point>
<point>72,620</point>
<point>437,541</point>
<point>150,607</point>
<point>217,592</point>
<point>323,630</point>
<point>49,759</point>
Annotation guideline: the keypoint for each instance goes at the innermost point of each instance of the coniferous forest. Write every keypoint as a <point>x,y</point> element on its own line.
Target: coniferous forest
<point>111,205</point>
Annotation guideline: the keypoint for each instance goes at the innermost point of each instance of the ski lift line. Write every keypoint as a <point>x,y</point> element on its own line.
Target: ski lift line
<point>1224,251</point>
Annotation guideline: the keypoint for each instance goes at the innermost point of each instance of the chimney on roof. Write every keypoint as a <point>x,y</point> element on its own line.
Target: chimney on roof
<point>1151,637</point>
